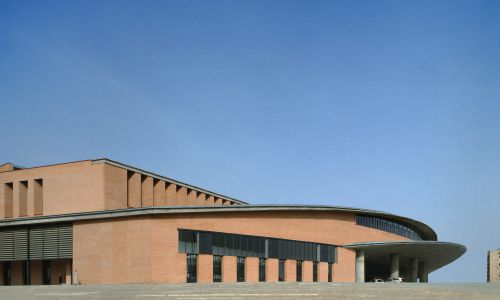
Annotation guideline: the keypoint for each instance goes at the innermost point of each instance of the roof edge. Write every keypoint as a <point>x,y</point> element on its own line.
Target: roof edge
<point>209,209</point>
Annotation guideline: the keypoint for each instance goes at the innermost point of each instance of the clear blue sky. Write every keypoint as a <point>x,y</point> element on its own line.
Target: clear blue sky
<point>387,105</point>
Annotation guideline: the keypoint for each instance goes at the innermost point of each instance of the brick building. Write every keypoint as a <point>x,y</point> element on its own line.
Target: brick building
<point>115,224</point>
<point>493,266</point>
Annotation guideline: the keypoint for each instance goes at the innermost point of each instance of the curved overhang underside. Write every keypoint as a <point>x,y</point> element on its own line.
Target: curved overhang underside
<point>157,210</point>
<point>434,254</point>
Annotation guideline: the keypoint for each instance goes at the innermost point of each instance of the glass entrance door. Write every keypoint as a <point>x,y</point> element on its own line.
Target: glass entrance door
<point>192,260</point>
<point>7,273</point>
<point>46,270</point>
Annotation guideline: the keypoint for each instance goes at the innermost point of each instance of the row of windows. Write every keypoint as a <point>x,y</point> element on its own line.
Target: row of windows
<point>389,226</point>
<point>192,260</point>
<point>228,244</point>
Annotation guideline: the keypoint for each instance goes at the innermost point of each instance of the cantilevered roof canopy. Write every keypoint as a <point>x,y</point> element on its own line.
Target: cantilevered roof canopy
<point>434,254</point>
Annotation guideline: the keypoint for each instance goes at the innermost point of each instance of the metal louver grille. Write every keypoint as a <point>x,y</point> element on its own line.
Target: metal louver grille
<point>21,244</point>
<point>50,243</point>
<point>40,242</point>
<point>66,241</point>
<point>36,243</point>
<point>6,245</point>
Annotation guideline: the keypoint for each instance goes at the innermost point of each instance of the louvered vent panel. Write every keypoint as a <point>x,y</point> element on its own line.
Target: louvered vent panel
<point>6,245</point>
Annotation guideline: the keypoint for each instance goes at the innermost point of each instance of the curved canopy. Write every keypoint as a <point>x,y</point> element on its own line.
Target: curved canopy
<point>434,254</point>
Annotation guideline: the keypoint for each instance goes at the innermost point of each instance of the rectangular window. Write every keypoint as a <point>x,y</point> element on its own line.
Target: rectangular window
<point>217,268</point>
<point>315,271</point>
<point>281,270</point>
<point>192,262</point>
<point>240,269</point>
<point>299,271</point>
<point>38,196</point>
<point>23,198</point>
<point>330,272</point>
<point>206,242</point>
<point>262,269</point>
<point>188,241</point>
<point>8,194</point>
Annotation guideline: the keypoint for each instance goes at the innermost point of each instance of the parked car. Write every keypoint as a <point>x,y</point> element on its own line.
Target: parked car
<point>395,280</point>
<point>377,280</point>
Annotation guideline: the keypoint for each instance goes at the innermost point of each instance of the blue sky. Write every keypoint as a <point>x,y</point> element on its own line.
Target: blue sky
<point>388,105</point>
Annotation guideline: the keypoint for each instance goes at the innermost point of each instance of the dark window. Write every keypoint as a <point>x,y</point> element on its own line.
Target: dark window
<point>299,271</point>
<point>262,269</point>
<point>188,241</point>
<point>330,272</point>
<point>315,271</point>
<point>229,249</point>
<point>272,248</point>
<point>206,243</point>
<point>217,268</point>
<point>281,270</point>
<point>323,253</point>
<point>192,261</point>
<point>7,273</point>
<point>389,226</point>
<point>226,244</point>
<point>280,249</point>
<point>240,269</point>
<point>26,273</point>
<point>46,272</point>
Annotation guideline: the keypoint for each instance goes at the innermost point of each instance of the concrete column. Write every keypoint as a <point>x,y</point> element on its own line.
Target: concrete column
<point>360,266</point>
<point>413,269</point>
<point>394,265</point>
<point>422,271</point>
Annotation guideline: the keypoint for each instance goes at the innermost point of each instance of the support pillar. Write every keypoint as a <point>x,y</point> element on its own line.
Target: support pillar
<point>394,265</point>
<point>413,269</point>
<point>360,266</point>
<point>422,271</point>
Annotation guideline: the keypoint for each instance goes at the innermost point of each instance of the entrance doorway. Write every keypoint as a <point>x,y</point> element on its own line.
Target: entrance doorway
<point>46,272</point>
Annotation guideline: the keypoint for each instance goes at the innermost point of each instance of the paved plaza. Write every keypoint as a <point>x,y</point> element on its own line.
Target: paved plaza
<point>256,291</point>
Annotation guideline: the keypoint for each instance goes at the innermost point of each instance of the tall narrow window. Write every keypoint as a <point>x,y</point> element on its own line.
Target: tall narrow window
<point>23,198</point>
<point>7,273</point>
<point>217,268</point>
<point>262,269</point>
<point>46,271</point>
<point>330,272</point>
<point>8,195</point>
<point>240,269</point>
<point>315,271</point>
<point>192,261</point>
<point>299,271</point>
<point>26,272</point>
<point>281,270</point>
<point>38,196</point>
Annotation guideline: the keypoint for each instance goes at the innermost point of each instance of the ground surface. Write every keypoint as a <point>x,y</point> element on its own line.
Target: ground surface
<point>257,291</point>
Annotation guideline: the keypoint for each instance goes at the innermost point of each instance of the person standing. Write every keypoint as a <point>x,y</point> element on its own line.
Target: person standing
<point>75,277</point>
